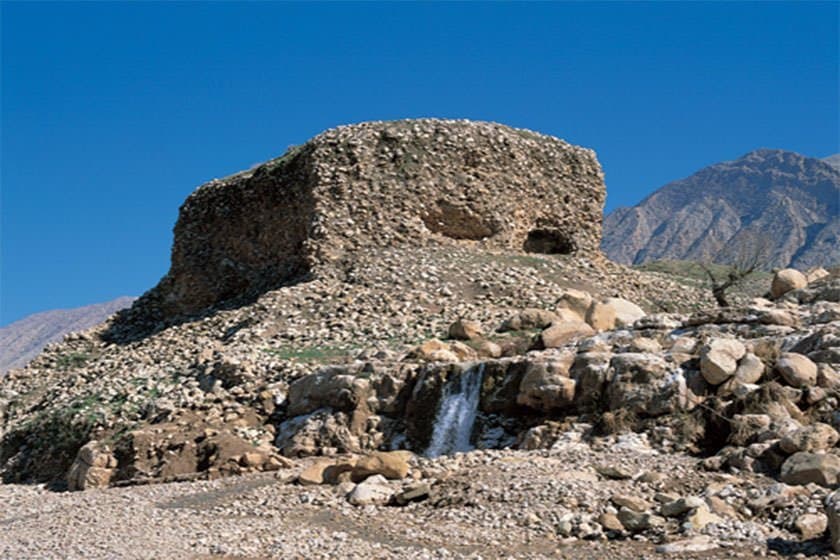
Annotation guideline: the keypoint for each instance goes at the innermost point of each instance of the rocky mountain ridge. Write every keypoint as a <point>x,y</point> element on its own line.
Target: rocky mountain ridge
<point>24,339</point>
<point>786,200</point>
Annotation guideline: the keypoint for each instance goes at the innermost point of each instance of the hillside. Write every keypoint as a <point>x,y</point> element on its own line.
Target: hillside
<point>24,339</point>
<point>400,340</point>
<point>788,200</point>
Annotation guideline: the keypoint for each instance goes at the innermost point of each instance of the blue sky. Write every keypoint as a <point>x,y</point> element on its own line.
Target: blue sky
<point>112,113</point>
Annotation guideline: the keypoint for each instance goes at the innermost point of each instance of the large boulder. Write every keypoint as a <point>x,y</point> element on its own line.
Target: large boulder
<point>626,312</point>
<point>719,359</point>
<point>563,332</point>
<point>787,280</point>
<point>94,467</point>
<point>806,468</point>
<point>798,370</point>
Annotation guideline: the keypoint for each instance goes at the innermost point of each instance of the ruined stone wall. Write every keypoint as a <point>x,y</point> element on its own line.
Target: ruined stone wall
<point>382,184</point>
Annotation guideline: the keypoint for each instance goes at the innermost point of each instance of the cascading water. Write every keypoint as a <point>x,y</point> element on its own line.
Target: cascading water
<point>456,413</point>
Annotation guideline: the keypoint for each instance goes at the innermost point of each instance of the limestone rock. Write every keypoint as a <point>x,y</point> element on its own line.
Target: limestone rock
<point>389,464</point>
<point>559,334</point>
<point>575,300</point>
<point>806,468</point>
<point>750,369</point>
<point>811,525</point>
<point>626,312</point>
<point>719,359</point>
<point>796,369</point>
<point>464,329</point>
<point>814,437</point>
<point>786,280</point>
<point>374,491</point>
<point>601,317</point>
<point>527,319</point>
<point>93,468</point>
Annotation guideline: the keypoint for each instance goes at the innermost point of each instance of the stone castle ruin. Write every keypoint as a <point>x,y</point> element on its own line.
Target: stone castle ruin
<point>374,185</point>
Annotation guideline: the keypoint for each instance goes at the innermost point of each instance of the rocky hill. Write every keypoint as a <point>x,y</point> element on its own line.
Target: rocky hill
<point>789,200</point>
<point>833,161</point>
<point>24,339</point>
<point>416,315</point>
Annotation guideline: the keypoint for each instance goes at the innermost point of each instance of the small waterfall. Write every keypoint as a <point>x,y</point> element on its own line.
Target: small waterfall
<point>456,413</point>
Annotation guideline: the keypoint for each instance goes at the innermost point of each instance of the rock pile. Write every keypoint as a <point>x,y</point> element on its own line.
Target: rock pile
<point>376,185</point>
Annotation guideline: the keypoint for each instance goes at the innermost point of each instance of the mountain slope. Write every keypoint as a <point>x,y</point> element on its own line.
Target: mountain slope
<point>784,197</point>
<point>24,339</point>
<point>833,161</point>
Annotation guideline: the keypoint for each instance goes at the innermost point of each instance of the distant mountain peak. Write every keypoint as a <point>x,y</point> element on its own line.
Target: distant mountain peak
<point>24,339</point>
<point>767,193</point>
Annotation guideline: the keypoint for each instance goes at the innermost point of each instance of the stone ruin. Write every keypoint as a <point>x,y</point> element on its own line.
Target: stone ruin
<point>376,185</point>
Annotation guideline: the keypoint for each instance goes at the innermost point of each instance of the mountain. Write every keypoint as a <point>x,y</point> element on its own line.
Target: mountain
<point>24,339</point>
<point>833,161</point>
<point>784,197</point>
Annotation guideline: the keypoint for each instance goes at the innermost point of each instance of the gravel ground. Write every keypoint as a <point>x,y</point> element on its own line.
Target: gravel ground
<point>484,504</point>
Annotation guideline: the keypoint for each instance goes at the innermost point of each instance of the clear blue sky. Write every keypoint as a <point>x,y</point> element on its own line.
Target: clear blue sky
<point>112,113</point>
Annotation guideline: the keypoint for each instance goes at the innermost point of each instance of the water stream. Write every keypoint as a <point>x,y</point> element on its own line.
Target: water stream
<point>456,413</point>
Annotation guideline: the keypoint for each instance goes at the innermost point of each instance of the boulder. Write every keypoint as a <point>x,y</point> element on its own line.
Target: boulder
<point>390,464</point>
<point>93,468</point>
<point>811,525</point>
<point>798,370</point>
<point>575,300</point>
<point>545,387</point>
<point>719,359</point>
<point>750,369</point>
<point>528,319</point>
<point>463,329</point>
<point>832,509</point>
<point>313,474</point>
<point>374,491</point>
<point>806,468</point>
<point>816,273</point>
<point>626,312</point>
<point>601,316</point>
<point>814,437</point>
<point>786,280</point>
<point>561,333</point>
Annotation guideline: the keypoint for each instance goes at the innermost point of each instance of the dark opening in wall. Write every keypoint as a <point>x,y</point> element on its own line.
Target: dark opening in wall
<point>549,242</point>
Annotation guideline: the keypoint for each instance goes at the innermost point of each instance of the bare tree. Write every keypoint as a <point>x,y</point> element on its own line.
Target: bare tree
<point>749,255</point>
